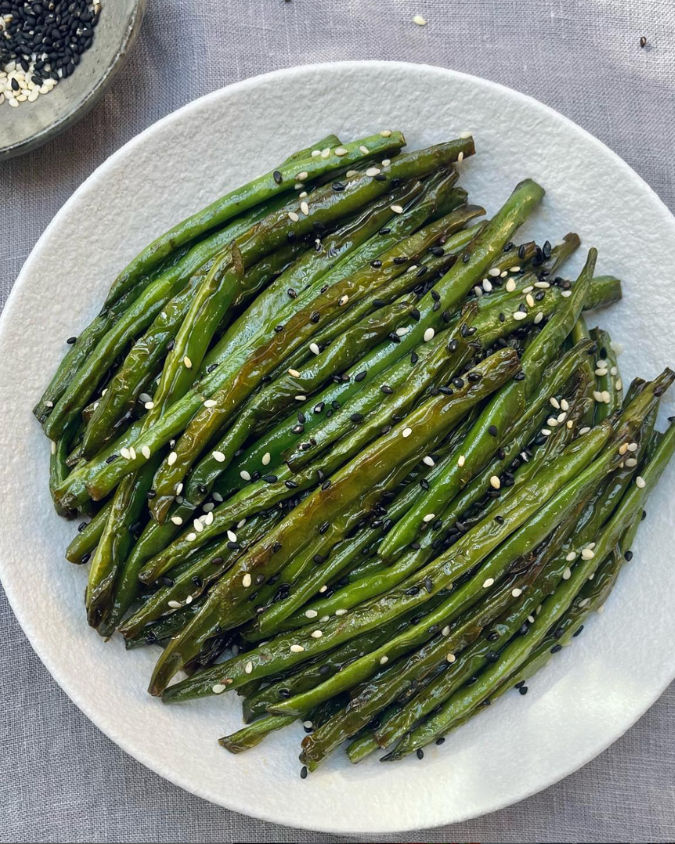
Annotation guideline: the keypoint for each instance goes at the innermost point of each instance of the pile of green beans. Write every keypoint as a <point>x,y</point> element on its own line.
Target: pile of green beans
<point>341,445</point>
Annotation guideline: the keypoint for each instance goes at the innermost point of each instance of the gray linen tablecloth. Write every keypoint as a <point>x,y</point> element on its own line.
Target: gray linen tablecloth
<point>62,780</point>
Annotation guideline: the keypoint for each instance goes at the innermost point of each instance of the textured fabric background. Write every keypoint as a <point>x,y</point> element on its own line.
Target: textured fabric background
<point>61,780</point>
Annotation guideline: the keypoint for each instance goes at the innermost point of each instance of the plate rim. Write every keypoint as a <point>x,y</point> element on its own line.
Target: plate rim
<point>23,615</point>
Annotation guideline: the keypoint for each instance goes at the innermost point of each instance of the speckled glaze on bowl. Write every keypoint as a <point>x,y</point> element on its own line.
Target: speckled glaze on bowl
<point>33,124</point>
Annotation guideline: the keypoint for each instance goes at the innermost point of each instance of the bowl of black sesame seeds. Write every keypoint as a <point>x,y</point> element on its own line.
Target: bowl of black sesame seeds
<point>57,58</point>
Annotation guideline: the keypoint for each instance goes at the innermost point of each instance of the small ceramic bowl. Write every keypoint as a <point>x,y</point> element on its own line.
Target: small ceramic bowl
<point>32,124</point>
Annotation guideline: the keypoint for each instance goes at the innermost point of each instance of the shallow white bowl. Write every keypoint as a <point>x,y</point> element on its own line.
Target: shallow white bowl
<point>581,702</point>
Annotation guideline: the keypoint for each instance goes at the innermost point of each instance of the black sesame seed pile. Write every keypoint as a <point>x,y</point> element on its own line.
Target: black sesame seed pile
<point>42,42</point>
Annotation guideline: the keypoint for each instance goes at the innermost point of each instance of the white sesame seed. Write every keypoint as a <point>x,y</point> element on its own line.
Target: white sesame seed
<point>518,315</point>
<point>570,424</point>
<point>340,151</point>
<point>218,689</point>
<point>266,458</point>
<point>341,612</point>
<point>149,405</point>
<point>606,396</point>
<point>293,217</point>
<point>316,153</point>
<point>384,660</point>
<point>132,452</point>
<point>600,372</point>
<point>538,318</point>
<point>640,482</point>
<point>530,618</point>
<point>397,209</point>
<point>314,348</point>
<point>446,630</point>
<point>429,461</point>
<point>561,417</point>
<point>402,331</point>
<point>429,517</point>
<point>386,162</point>
<point>296,649</point>
<point>487,287</point>
<point>177,520</point>
<point>246,580</point>
<point>584,431</point>
<point>305,175</point>
<point>210,403</point>
<point>208,517</point>
<point>564,404</point>
<point>623,448</point>
<point>406,432</point>
<point>343,300</point>
<point>145,451</point>
<point>171,459</point>
<point>316,634</point>
<point>618,385</point>
<point>632,447</point>
<point>542,284</point>
<point>488,583</point>
<point>325,152</point>
<point>460,158</point>
<point>631,463</point>
<point>217,497</point>
<point>218,456</point>
<point>516,592</point>
<point>597,395</point>
<point>124,452</point>
<point>461,460</point>
<point>311,613</point>
<point>323,589</point>
<point>303,194</point>
<point>495,483</point>
<point>546,432</point>
<point>175,605</point>
<point>199,527</point>
<point>555,403</point>
<point>187,362</point>
<point>571,557</point>
<point>494,272</point>
<point>294,373</point>
<point>244,475</point>
<point>451,658</point>
<point>300,397</point>
<point>530,300</point>
<point>510,286</point>
<point>478,291</point>
<point>386,133</point>
<point>587,554</point>
<point>419,20</point>
<point>248,668</point>
<point>191,537</point>
<point>567,573</point>
<point>53,446</point>
<point>373,171</point>
<point>304,207</point>
<point>464,135</point>
<point>429,335</point>
<point>584,603</point>
<point>49,404</point>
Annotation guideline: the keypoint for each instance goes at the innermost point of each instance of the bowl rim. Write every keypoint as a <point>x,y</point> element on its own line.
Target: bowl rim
<point>62,678</point>
<point>78,111</point>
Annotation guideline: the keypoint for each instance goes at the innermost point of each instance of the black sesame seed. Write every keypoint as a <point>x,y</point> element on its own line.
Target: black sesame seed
<point>493,431</point>
<point>466,257</point>
<point>278,178</point>
<point>628,556</point>
<point>440,741</point>
<point>325,484</point>
<point>420,753</point>
<point>523,690</point>
<point>577,632</point>
<point>324,527</point>
<point>556,648</point>
<point>376,264</point>
<point>290,484</point>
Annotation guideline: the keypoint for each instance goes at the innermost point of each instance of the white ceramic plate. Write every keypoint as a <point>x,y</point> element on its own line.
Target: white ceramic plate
<point>579,704</point>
